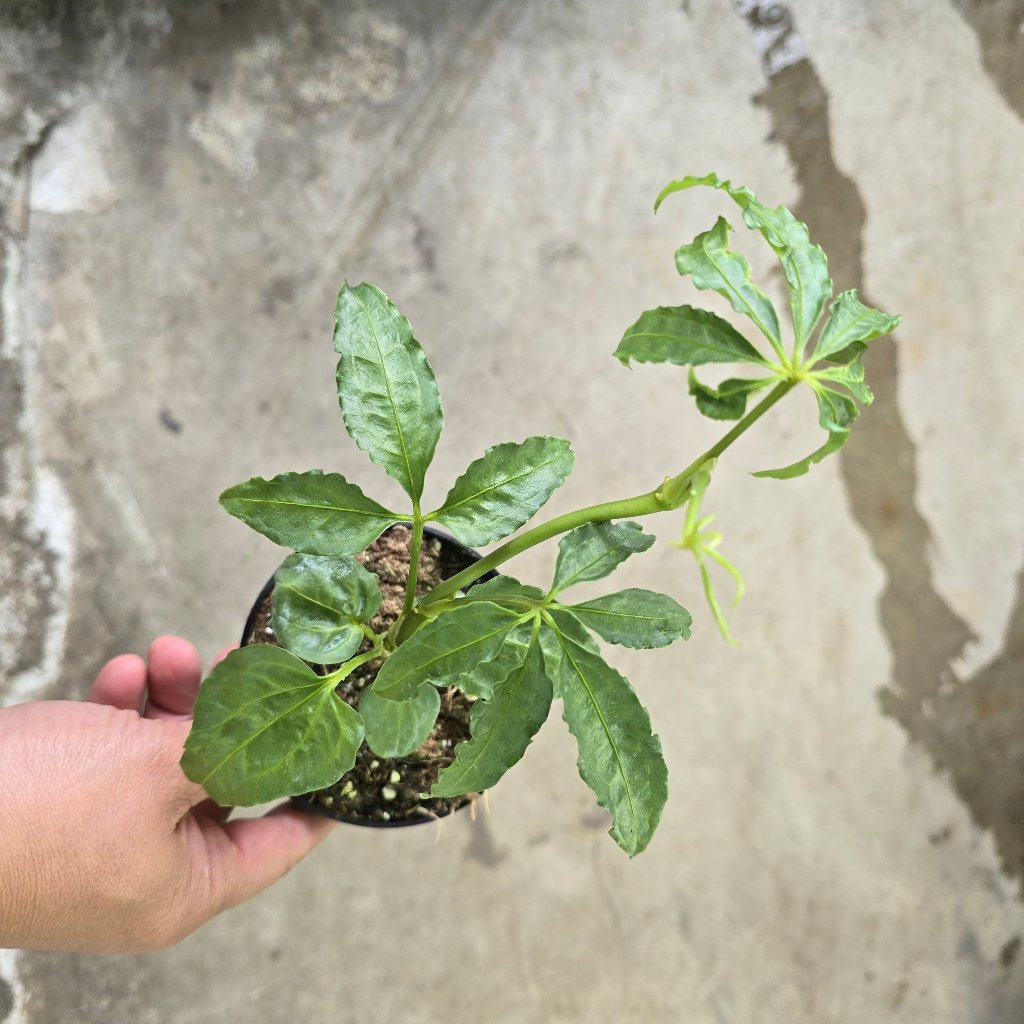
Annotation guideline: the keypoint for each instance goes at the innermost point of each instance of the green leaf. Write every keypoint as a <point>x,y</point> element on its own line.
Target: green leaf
<point>505,488</point>
<point>266,726</point>
<point>592,551</point>
<point>805,265</point>
<point>555,621</point>
<point>849,328</point>
<point>620,758</point>
<point>835,413</point>
<point>635,618</point>
<point>684,336</point>
<point>729,400</point>
<point>501,728</point>
<point>851,376</point>
<point>388,395</point>
<point>395,728</point>
<point>315,513</point>
<point>447,650</point>
<point>318,604</point>
<point>505,588</point>
<point>712,264</point>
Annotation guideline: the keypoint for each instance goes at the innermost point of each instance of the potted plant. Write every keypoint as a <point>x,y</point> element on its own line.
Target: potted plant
<point>405,676</point>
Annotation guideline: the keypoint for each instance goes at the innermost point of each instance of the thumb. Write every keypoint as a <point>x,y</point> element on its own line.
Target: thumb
<point>261,850</point>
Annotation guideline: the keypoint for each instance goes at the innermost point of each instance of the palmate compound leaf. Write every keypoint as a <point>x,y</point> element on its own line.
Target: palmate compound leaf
<point>315,513</point>
<point>805,265</point>
<point>386,388</point>
<point>635,618</point>
<point>620,758</point>
<point>592,551</point>
<point>266,726</point>
<point>505,488</point>
<point>318,606</point>
<point>395,728</point>
<point>449,651</point>
<point>685,336</point>
<point>713,265</point>
<point>850,327</point>
<point>501,727</point>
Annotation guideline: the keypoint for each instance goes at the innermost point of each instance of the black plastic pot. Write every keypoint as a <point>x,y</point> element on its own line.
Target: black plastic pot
<point>460,557</point>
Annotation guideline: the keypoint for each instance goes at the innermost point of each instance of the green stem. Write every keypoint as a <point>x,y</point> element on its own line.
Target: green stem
<point>414,558</point>
<point>671,494</point>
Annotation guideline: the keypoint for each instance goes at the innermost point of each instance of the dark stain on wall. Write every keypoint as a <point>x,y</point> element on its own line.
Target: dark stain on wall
<point>999,26</point>
<point>973,728</point>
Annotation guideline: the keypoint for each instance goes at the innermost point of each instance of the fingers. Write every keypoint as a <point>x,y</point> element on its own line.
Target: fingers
<point>174,676</point>
<point>263,849</point>
<point>121,683</point>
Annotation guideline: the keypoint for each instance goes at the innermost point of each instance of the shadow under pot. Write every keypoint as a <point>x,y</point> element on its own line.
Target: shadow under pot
<point>388,792</point>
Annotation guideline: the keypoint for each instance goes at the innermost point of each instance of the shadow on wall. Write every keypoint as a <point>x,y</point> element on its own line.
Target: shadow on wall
<point>973,728</point>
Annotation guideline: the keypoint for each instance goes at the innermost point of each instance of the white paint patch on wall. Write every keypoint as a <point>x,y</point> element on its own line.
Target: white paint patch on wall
<point>70,174</point>
<point>772,34</point>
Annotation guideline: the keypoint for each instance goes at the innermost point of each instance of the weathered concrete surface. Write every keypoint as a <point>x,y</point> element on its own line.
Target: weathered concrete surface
<point>183,188</point>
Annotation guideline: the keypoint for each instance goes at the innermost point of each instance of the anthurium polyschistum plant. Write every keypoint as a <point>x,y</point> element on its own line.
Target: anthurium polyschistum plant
<point>269,721</point>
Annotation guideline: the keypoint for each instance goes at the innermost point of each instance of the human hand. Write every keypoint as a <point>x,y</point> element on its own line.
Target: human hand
<point>105,845</point>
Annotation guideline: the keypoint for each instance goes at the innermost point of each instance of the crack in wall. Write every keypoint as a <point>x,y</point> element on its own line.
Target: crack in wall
<point>973,728</point>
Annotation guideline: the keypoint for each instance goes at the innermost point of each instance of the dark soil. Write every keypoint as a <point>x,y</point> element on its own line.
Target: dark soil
<point>392,790</point>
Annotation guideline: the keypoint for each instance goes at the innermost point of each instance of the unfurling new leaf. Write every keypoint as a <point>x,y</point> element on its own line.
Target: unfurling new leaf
<point>804,264</point>
<point>850,327</point>
<point>712,264</point>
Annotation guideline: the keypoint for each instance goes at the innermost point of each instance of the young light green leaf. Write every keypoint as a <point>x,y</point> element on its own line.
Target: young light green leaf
<point>505,588</point>
<point>835,413</point>
<point>849,328</point>
<point>386,388</point>
<point>395,728</point>
<point>635,618</point>
<point>592,551</point>
<point>684,336</point>
<point>505,488</point>
<point>805,265</point>
<point>315,513</point>
<point>851,376</point>
<point>729,400</point>
<point>712,264</point>
<point>501,728</point>
<point>620,758</point>
<point>447,650</point>
<point>266,726</point>
<point>318,605</point>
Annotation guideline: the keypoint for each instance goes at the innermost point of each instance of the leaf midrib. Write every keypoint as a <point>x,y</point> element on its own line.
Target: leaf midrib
<point>317,689</point>
<point>391,399</point>
<point>493,487</point>
<point>604,724</point>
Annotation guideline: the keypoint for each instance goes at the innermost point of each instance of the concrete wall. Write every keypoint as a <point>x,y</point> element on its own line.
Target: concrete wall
<point>184,185</point>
